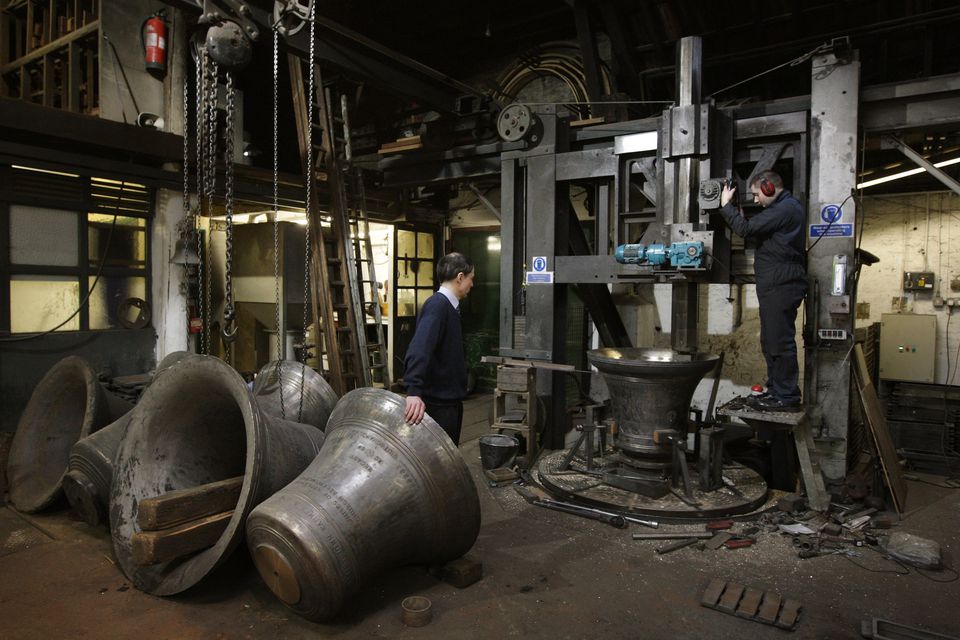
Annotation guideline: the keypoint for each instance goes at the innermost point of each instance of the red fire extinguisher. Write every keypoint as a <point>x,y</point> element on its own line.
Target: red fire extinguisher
<point>154,34</point>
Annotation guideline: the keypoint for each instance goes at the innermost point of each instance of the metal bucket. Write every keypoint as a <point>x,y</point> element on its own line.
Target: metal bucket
<point>382,493</point>
<point>498,451</point>
<point>196,424</point>
<point>295,392</point>
<point>650,390</point>
<point>68,404</point>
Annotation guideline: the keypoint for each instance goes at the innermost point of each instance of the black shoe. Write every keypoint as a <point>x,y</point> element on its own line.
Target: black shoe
<point>752,401</point>
<point>773,403</point>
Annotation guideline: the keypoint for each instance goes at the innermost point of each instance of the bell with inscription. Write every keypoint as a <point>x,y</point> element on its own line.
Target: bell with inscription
<point>381,493</point>
<point>202,454</point>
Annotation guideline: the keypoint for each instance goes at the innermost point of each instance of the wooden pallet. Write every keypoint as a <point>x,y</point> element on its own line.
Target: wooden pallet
<point>751,604</point>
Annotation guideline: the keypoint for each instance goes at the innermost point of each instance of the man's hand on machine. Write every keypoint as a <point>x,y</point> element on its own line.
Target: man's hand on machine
<point>729,189</point>
<point>413,412</point>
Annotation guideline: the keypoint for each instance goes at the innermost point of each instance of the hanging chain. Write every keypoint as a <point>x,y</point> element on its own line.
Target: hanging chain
<point>228,330</point>
<point>311,174</point>
<point>276,222</point>
<point>211,99</point>
<point>201,172</point>
<point>187,212</point>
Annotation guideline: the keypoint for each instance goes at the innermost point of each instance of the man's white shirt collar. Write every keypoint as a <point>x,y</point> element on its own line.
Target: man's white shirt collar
<point>450,295</point>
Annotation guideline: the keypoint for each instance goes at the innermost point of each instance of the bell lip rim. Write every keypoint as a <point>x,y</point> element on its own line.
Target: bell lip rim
<point>43,498</point>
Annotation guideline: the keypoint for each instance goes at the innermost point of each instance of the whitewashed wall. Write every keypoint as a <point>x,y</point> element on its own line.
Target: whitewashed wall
<point>916,232</point>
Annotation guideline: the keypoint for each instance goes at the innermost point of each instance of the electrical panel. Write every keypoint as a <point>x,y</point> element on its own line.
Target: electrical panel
<point>918,281</point>
<point>908,347</point>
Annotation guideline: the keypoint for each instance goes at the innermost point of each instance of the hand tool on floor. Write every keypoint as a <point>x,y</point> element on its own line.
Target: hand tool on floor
<point>674,546</point>
<point>610,519</point>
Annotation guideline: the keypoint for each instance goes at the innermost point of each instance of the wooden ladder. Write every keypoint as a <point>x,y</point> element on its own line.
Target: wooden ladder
<point>373,346</point>
<point>333,280</point>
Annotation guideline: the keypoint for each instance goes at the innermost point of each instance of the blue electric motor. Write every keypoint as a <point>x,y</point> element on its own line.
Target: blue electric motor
<point>680,255</point>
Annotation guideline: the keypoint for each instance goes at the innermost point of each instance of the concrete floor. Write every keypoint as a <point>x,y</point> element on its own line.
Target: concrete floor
<point>546,575</point>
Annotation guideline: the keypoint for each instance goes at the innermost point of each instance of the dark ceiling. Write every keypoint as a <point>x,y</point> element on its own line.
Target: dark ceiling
<point>473,42</point>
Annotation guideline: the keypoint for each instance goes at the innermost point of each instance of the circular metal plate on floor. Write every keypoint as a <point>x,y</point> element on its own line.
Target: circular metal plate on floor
<point>590,490</point>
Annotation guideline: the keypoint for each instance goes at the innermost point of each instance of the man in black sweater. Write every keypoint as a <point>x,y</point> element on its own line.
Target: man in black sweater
<point>780,267</point>
<point>435,368</point>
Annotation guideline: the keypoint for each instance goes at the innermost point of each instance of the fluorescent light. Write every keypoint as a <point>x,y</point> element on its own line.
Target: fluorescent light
<point>56,173</point>
<point>904,174</point>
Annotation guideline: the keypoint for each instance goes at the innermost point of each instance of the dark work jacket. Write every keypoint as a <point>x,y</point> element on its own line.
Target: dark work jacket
<point>778,230</point>
<point>435,366</point>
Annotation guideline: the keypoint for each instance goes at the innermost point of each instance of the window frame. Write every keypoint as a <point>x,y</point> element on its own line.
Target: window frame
<point>86,205</point>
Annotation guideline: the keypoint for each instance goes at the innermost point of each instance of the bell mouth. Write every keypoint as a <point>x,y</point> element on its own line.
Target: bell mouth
<point>60,411</point>
<point>194,428</point>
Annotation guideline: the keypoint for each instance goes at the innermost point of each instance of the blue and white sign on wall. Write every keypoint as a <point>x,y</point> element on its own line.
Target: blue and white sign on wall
<point>539,275</point>
<point>831,215</point>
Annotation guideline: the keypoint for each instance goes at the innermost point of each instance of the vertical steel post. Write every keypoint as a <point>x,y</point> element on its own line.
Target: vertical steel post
<point>833,171</point>
<point>681,179</point>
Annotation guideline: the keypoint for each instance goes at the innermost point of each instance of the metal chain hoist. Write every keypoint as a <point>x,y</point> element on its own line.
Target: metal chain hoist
<point>228,330</point>
<point>276,222</point>
<point>311,176</point>
<point>201,172</point>
<point>210,102</point>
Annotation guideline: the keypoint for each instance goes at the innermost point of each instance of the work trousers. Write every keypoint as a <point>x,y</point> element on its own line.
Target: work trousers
<point>778,338</point>
<point>448,414</point>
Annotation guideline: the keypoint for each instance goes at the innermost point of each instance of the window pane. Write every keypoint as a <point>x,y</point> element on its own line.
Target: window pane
<point>106,298</point>
<point>125,221</point>
<point>43,236</point>
<point>405,302</point>
<point>406,273</point>
<point>39,303</point>
<point>406,244</point>
<point>425,245</point>
<point>425,274</point>
<point>127,242</point>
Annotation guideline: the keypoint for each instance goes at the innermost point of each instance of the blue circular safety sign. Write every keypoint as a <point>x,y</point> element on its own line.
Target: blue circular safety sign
<point>831,213</point>
<point>539,263</point>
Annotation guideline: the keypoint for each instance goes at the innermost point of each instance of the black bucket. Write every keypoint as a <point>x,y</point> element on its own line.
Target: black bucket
<point>498,451</point>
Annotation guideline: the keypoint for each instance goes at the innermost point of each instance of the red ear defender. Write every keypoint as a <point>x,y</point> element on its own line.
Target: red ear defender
<point>767,188</point>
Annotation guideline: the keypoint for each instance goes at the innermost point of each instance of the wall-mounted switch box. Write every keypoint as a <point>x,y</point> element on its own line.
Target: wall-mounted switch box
<point>918,281</point>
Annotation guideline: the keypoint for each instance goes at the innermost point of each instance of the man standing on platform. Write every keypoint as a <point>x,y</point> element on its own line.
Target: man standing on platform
<point>780,268</point>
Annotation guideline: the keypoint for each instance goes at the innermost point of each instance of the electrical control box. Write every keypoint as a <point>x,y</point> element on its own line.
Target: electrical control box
<point>918,281</point>
<point>908,347</point>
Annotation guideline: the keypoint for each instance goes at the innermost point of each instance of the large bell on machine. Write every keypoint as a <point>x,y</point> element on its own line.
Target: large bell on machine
<point>382,493</point>
<point>90,469</point>
<point>69,403</point>
<point>294,391</point>
<point>198,425</point>
<point>650,390</point>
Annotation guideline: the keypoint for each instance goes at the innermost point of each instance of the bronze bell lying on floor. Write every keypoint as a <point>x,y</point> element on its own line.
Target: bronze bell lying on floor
<point>197,431</point>
<point>68,404</point>
<point>90,470</point>
<point>381,493</point>
<point>87,483</point>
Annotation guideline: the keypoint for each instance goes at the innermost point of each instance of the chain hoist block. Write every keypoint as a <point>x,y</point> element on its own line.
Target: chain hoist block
<point>229,46</point>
